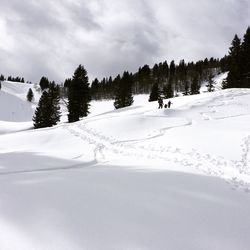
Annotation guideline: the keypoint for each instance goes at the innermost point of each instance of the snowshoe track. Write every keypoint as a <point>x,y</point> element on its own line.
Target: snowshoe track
<point>105,146</point>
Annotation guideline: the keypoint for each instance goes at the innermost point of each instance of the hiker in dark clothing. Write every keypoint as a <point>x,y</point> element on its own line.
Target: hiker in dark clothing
<point>169,104</point>
<point>160,101</point>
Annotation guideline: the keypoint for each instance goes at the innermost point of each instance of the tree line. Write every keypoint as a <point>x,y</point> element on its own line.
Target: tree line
<point>170,78</point>
<point>12,79</point>
<point>162,79</point>
<point>239,63</point>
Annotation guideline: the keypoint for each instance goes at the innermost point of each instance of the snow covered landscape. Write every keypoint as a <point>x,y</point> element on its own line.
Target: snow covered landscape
<point>134,178</point>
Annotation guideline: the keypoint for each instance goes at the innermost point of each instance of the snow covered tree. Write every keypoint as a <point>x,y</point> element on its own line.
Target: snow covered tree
<point>210,85</point>
<point>155,92</point>
<point>30,95</point>
<point>124,96</point>
<point>78,95</point>
<point>48,113</point>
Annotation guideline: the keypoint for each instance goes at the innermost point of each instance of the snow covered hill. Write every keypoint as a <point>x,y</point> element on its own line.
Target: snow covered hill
<point>135,178</point>
<point>16,112</point>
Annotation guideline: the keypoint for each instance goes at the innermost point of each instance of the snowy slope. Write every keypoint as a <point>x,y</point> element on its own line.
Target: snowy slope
<point>218,80</point>
<point>16,112</point>
<point>135,178</point>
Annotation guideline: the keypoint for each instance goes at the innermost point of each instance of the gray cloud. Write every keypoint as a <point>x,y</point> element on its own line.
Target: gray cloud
<point>52,37</point>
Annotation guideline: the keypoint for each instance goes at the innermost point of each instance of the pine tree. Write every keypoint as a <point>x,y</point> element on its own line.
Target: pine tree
<point>172,69</point>
<point>2,78</point>
<point>234,76</point>
<point>195,85</point>
<point>210,85</point>
<point>155,93</point>
<point>186,88</point>
<point>41,117</point>
<point>44,83</point>
<point>245,64</point>
<point>78,95</point>
<point>47,113</point>
<point>144,79</point>
<point>54,94</point>
<point>0,84</point>
<point>95,86</point>
<point>67,82</point>
<point>168,91</point>
<point>124,96</point>
<point>30,95</point>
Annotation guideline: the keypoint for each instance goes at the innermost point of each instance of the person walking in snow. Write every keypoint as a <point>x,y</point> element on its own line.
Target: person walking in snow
<point>169,104</point>
<point>160,101</point>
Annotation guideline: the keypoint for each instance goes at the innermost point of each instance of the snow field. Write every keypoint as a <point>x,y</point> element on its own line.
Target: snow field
<point>135,178</point>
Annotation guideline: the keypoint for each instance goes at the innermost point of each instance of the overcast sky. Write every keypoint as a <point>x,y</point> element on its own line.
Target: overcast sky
<point>51,38</point>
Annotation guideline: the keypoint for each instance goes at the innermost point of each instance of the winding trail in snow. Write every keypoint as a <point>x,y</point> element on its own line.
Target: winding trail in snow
<point>107,148</point>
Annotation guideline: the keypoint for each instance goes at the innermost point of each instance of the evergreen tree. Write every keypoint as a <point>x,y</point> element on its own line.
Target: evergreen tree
<point>224,64</point>
<point>186,88</point>
<point>47,113</point>
<point>78,95</point>
<point>168,91</point>
<point>95,86</point>
<point>156,73</point>
<point>155,93</point>
<point>195,85</point>
<point>44,83</point>
<point>54,95</point>
<point>234,75</point>
<point>245,64</point>
<point>172,69</point>
<point>0,84</point>
<point>144,79</point>
<point>2,78</point>
<point>67,83</point>
<point>210,85</point>
<point>124,96</point>
<point>30,95</point>
<point>42,114</point>
<point>164,70</point>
